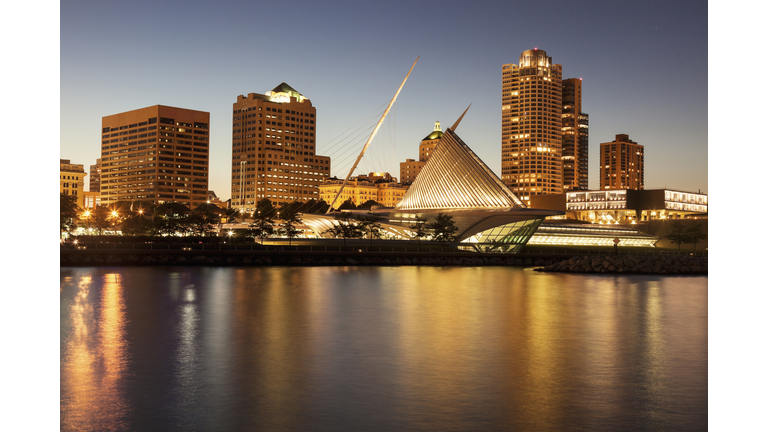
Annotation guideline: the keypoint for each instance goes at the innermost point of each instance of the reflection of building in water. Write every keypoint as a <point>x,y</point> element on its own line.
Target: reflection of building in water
<point>626,205</point>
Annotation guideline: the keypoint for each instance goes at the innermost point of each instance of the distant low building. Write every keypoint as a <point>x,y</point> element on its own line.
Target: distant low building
<point>92,199</point>
<point>627,205</point>
<point>574,234</point>
<point>72,180</point>
<point>95,179</point>
<point>622,164</point>
<point>411,168</point>
<point>213,199</point>
<point>379,187</point>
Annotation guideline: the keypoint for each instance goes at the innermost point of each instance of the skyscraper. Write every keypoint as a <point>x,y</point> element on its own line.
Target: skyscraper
<point>622,164</point>
<point>575,138</point>
<point>273,149</point>
<point>157,154</point>
<point>531,125</point>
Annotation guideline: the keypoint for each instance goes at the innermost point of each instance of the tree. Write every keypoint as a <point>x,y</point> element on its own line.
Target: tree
<point>681,233</point>
<point>138,224</point>
<point>368,204</point>
<point>443,228</point>
<point>420,229</point>
<point>348,205</point>
<point>314,206</point>
<point>695,233</point>
<point>171,218</point>
<point>262,225</point>
<point>345,227</point>
<point>68,210</point>
<point>288,227</point>
<point>231,214</point>
<point>370,225</point>
<point>203,218</point>
<point>100,218</point>
<point>677,234</point>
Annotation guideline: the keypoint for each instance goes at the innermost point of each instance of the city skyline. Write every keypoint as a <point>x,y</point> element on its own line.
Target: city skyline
<point>644,71</point>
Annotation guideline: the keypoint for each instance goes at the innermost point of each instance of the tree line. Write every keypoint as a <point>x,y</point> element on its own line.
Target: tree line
<point>680,234</point>
<point>139,218</point>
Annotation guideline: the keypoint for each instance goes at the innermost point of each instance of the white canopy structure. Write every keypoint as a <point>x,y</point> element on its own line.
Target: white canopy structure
<point>454,181</point>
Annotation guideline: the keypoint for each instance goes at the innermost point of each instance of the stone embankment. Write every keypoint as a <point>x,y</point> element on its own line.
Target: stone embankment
<point>208,258</point>
<point>632,264</point>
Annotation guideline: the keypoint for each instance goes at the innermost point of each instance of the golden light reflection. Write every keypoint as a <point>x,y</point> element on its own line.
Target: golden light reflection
<point>92,374</point>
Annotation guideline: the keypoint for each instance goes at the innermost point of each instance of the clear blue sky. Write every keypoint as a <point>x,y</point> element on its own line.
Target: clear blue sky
<point>643,65</point>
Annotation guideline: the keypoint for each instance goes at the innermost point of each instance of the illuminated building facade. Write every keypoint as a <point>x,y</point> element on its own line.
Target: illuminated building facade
<point>72,180</point>
<point>157,154</point>
<point>575,142</point>
<point>531,125</point>
<point>92,199</point>
<point>273,149</point>
<point>379,187</point>
<point>622,164</point>
<point>626,205</point>
<point>561,234</point>
<point>411,168</point>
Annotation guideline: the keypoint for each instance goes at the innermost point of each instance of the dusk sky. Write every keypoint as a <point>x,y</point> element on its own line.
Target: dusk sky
<point>643,65</point>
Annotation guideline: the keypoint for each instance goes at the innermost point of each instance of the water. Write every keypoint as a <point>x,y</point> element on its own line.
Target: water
<point>380,349</point>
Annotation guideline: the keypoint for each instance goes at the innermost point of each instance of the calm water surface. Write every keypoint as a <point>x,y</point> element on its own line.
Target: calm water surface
<point>380,349</point>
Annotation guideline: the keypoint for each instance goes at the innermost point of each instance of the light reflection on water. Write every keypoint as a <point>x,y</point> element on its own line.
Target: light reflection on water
<point>381,348</point>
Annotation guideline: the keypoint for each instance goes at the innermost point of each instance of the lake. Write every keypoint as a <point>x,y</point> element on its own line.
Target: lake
<point>380,349</point>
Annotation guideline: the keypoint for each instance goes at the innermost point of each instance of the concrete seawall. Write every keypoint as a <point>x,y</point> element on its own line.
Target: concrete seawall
<point>652,264</point>
<point>82,258</point>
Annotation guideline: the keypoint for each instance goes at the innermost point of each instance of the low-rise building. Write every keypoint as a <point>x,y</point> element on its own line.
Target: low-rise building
<point>411,168</point>
<point>92,199</point>
<point>626,205</point>
<point>379,187</point>
<point>71,180</point>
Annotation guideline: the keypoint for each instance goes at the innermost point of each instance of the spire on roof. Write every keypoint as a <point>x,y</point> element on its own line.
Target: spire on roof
<point>455,125</point>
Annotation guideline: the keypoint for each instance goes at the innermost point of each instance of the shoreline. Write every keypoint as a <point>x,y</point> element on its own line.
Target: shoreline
<point>563,263</point>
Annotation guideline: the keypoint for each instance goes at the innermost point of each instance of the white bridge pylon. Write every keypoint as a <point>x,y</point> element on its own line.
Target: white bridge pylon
<point>373,134</point>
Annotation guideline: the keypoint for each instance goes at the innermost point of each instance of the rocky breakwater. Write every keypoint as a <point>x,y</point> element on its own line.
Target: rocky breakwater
<point>632,264</point>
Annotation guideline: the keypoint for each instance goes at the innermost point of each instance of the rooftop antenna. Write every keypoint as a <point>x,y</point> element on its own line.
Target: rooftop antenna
<point>373,134</point>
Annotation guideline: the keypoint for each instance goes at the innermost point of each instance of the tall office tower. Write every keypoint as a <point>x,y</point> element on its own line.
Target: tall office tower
<point>273,149</point>
<point>575,138</point>
<point>531,125</point>
<point>622,164</point>
<point>411,168</point>
<point>95,181</point>
<point>157,154</point>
